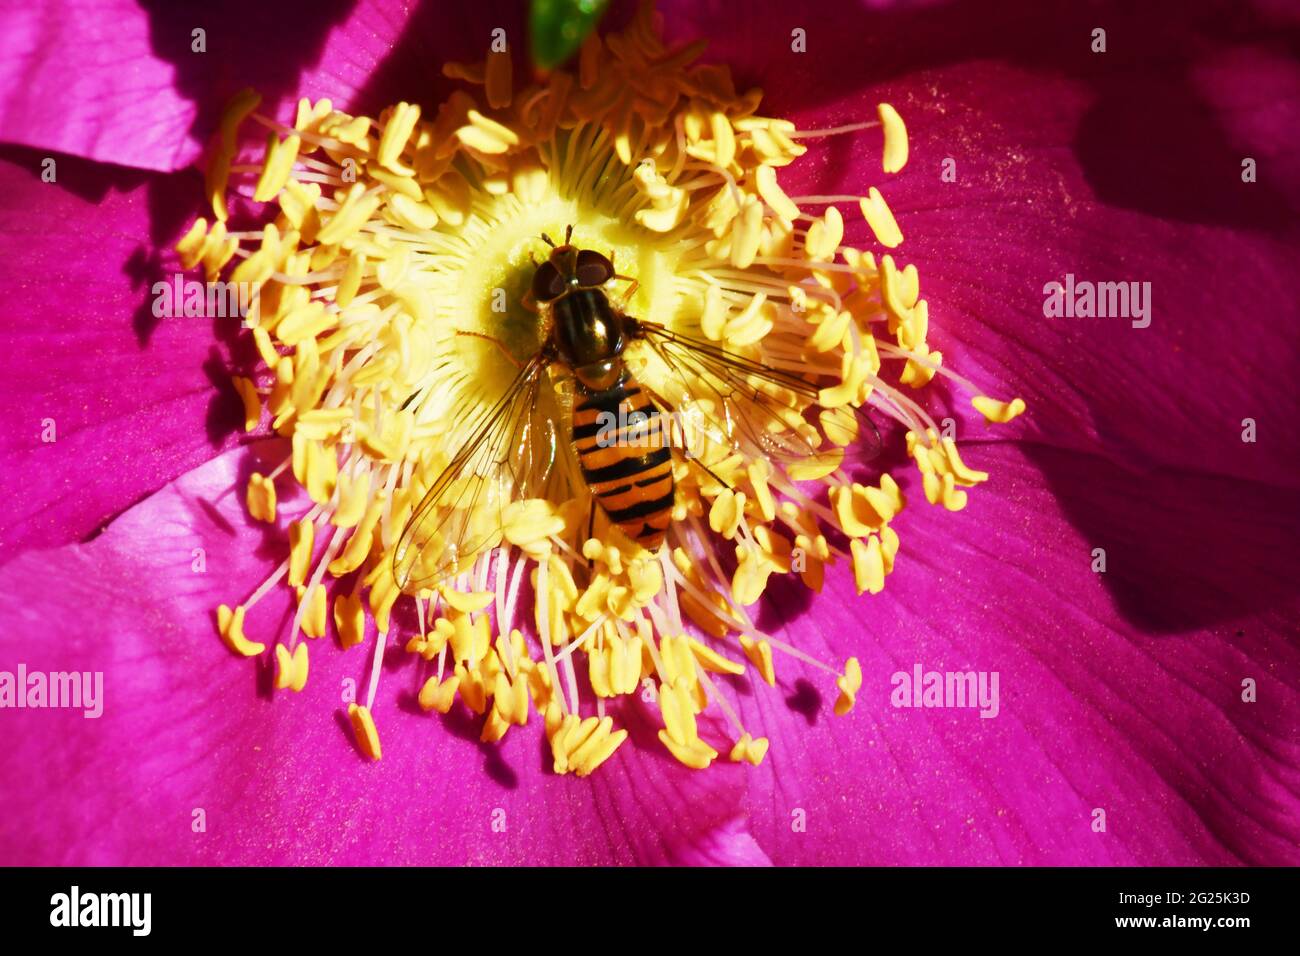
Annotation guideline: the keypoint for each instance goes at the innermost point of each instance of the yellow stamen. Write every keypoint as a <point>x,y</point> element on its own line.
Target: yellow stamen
<point>235,113</point>
<point>398,129</point>
<point>313,618</point>
<point>261,498</point>
<point>280,157</point>
<point>467,603</point>
<point>231,625</point>
<point>760,655</point>
<point>301,538</point>
<point>350,619</point>
<point>486,135</point>
<point>291,669</point>
<point>998,412</point>
<point>849,684</point>
<point>435,695</point>
<point>747,748</point>
<point>895,153</point>
<point>363,725</point>
<point>252,402</point>
<point>711,660</point>
<point>881,219</point>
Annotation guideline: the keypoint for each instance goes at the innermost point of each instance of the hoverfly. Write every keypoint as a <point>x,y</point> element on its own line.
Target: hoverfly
<point>744,403</point>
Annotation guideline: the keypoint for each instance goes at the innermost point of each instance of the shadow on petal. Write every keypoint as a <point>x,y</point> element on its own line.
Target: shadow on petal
<point>1150,140</point>
<point>1183,551</point>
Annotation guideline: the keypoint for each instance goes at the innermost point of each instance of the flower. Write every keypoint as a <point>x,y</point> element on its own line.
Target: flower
<point>1077,663</point>
<point>399,350</point>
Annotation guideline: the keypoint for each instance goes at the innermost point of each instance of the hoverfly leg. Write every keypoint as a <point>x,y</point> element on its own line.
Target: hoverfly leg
<point>498,343</point>
<point>631,290</point>
<point>691,459</point>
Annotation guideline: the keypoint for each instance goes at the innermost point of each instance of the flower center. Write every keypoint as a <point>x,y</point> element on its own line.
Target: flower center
<point>448,464</point>
<point>482,285</point>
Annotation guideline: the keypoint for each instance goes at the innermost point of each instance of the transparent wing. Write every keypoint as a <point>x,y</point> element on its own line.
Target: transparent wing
<point>751,407</point>
<point>509,455</point>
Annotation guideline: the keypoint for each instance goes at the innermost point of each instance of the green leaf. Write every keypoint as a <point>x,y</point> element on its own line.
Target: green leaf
<point>558,27</point>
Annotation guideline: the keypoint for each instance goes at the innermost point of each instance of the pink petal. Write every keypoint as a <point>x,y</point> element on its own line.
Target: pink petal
<point>85,79</point>
<point>1120,691</point>
<point>187,726</point>
<point>130,401</point>
<point>120,82</point>
<point>1120,166</point>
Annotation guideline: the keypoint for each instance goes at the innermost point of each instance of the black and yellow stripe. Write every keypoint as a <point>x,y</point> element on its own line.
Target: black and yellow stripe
<point>628,467</point>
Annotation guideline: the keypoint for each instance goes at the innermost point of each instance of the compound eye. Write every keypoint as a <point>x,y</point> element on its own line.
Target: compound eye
<point>548,284</point>
<point>593,269</point>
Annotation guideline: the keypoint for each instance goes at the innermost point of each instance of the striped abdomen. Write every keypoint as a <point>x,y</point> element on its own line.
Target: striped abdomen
<point>622,446</point>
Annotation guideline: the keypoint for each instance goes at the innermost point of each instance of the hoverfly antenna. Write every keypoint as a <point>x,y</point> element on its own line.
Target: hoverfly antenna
<point>548,240</point>
<point>568,233</point>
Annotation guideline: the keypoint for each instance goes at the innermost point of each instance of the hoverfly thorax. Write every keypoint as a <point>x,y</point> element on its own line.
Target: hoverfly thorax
<point>590,334</point>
